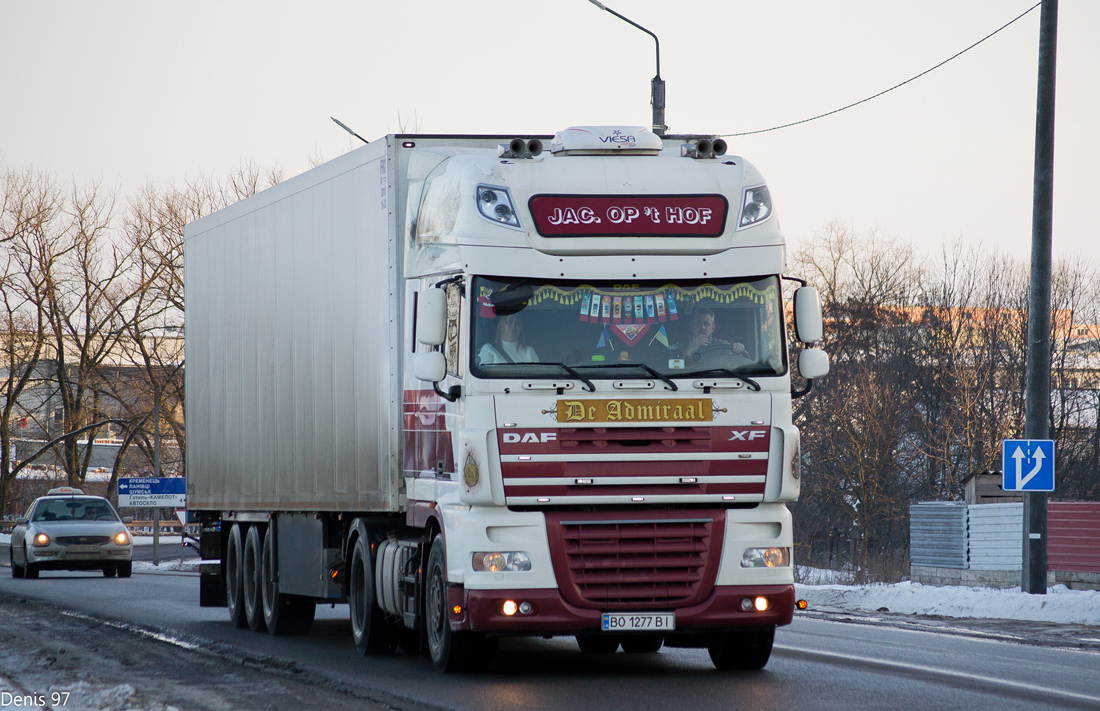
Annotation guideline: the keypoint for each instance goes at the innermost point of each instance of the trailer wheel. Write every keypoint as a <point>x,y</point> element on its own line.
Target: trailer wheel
<point>450,651</point>
<point>742,650</point>
<point>234,577</point>
<point>283,614</point>
<point>250,571</point>
<point>372,632</point>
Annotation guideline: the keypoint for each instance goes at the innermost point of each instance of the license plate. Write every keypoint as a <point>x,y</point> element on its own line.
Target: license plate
<point>82,549</point>
<point>647,621</point>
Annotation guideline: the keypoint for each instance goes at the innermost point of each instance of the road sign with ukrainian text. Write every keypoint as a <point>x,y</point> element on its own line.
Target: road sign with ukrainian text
<point>152,492</point>
<point>1027,464</point>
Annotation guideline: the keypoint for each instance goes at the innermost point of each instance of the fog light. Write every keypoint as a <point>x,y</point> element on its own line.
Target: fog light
<point>746,604</point>
<point>525,608</point>
<point>510,607</point>
<point>760,603</point>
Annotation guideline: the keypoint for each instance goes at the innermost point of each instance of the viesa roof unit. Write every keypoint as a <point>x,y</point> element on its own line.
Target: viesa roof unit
<point>541,200</point>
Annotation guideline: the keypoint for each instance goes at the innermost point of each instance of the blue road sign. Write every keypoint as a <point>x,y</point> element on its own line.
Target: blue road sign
<point>1027,464</point>
<point>152,492</point>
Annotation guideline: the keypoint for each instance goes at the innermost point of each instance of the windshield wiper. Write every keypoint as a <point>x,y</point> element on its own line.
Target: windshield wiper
<point>571,371</point>
<point>727,372</point>
<point>667,380</point>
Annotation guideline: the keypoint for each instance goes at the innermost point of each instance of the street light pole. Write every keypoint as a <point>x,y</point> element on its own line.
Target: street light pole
<point>657,85</point>
<point>1037,407</point>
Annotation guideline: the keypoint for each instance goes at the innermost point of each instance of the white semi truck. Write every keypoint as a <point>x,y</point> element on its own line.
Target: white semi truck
<point>475,388</point>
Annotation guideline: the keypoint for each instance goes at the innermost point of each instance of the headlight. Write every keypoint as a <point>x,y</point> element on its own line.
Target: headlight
<point>493,562</point>
<point>41,540</point>
<point>766,558</point>
<point>756,207</point>
<point>122,538</point>
<point>495,205</point>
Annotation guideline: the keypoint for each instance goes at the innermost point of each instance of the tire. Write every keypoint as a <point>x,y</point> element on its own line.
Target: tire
<point>597,644</point>
<point>250,573</point>
<point>17,571</point>
<point>283,614</point>
<point>647,644</point>
<point>125,569</point>
<point>30,570</point>
<point>110,571</point>
<point>234,580</point>
<point>745,650</point>
<point>372,632</point>
<point>450,651</point>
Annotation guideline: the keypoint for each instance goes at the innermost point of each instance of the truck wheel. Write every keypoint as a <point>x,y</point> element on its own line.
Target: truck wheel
<point>743,650</point>
<point>16,570</point>
<point>450,651</point>
<point>372,632</point>
<point>250,572</point>
<point>597,644</point>
<point>283,614</point>
<point>234,579</point>
<point>643,645</point>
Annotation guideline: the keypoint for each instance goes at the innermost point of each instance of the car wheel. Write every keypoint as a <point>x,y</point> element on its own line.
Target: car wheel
<point>742,650</point>
<point>30,570</point>
<point>110,571</point>
<point>16,569</point>
<point>234,580</point>
<point>250,572</point>
<point>125,569</point>
<point>450,651</point>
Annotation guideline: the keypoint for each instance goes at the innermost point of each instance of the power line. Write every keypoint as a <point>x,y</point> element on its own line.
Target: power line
<point>886,91</point>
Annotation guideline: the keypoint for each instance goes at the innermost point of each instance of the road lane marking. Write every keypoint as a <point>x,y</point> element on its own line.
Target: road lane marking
<point>935,671</point>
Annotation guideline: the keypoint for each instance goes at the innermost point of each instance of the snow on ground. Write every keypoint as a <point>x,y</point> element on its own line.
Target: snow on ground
<point>823,591</point>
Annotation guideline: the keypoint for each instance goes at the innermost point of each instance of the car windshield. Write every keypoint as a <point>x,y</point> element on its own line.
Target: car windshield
<point>529,328</point>
<point>74,510</point>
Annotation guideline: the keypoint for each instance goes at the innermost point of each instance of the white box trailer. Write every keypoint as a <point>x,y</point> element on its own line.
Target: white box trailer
<point>366,426</point>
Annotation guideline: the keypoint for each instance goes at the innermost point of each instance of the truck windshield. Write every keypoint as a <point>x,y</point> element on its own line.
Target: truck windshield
<point>533,328</point>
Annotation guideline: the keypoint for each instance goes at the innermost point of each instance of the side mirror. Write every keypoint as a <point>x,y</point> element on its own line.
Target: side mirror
<point>807,315</point>
<point>20,521</point>
<point>813,363</point>
<point>127,520</point>
<point>431,366</point>
<point>431,319</point>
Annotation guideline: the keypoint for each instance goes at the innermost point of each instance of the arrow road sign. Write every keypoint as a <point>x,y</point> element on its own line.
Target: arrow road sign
<point>1027,464</point>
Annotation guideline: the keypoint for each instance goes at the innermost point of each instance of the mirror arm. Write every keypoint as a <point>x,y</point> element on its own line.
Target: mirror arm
<point>452,392</point>
<point>795,394</point>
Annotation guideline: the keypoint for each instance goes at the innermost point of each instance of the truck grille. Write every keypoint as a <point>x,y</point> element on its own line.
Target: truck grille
<point>651,465</point>
<point>637,560</point>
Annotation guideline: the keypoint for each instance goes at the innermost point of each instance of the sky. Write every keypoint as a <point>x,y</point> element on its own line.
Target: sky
<point>130,92</point>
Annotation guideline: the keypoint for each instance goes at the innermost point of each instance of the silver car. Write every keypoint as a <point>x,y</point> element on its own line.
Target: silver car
<point>67,530</point>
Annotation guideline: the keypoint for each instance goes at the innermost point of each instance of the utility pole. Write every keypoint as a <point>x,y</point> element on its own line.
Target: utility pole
<point>1037,413</point>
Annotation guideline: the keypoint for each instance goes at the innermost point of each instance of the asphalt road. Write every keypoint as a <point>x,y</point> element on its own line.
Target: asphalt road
<point>818,663</point>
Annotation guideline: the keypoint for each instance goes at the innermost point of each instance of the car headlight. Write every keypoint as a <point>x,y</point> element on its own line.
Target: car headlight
<point>41,540</point>
<point>756,206</point>
<point>495,205</point>
<point>500,562</point>
<point>122,538</point>
<point>766,558</point>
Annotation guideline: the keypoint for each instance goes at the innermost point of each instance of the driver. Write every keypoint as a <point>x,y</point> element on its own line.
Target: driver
<point>702,342</point>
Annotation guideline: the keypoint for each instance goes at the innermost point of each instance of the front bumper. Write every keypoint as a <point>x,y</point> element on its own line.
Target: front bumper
<point>58,558</point>
<point>481,611</point>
